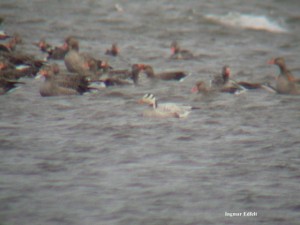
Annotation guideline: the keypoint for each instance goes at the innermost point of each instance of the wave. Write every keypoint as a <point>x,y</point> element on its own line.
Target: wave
<point>247,21</point>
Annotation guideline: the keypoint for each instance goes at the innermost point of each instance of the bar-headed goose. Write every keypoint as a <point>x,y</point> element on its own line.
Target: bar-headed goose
<point>164,110</point>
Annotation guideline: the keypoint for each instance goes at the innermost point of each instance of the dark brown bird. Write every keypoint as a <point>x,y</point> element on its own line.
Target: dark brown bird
<point>114,51</point>
<point>201,87</point>
<point>11,44</point>
<point>7,85</point>
<point>220,81</point>
<point>178,53</point>
<point>57,53</point>
<point>171,75</point>
<point>225,81</point>
<point>19,58</point>
<point>54,52</point>
<point>62,84</point>
<point>122,77</point>
<point>43,45</point>
<point>11,71</point>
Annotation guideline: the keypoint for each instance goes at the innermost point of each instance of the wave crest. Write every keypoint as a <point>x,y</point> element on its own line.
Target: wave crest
<point>247,21</point>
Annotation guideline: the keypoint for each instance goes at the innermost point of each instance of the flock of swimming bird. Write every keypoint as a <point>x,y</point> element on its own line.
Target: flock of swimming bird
<point>84,71</point>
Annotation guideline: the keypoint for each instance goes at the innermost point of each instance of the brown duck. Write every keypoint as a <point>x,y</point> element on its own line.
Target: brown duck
<point>178,53</point>
<point>225,81</point>
<point>9,70</point>
<point>11,44</point>
<point>201,87</point>
<point>54,52</point>
<point>114,51</point>
<point>171,75</point>
<point>121,77</point>
<point>62,84</point>
<point>79,62</point>
<point>7,85</point>
<point>286,83</point>
<point>43,45</point>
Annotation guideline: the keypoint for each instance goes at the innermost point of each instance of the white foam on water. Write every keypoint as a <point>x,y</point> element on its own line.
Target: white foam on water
<point>247,21</point>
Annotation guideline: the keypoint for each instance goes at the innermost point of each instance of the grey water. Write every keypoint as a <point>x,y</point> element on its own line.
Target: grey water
<point>93,159</point>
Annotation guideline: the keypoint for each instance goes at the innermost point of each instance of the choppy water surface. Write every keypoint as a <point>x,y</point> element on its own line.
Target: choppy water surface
<point>94,159</point>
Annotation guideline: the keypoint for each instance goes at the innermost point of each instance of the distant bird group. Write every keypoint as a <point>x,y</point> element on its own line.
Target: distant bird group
<point>57,52</point>
<point>83,69</point>
<point>224,83</point>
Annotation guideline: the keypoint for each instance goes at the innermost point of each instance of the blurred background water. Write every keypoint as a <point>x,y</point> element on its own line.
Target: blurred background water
<point>93,159</point>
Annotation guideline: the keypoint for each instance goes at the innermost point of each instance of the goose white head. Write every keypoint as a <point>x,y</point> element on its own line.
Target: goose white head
<point>149,99</point>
